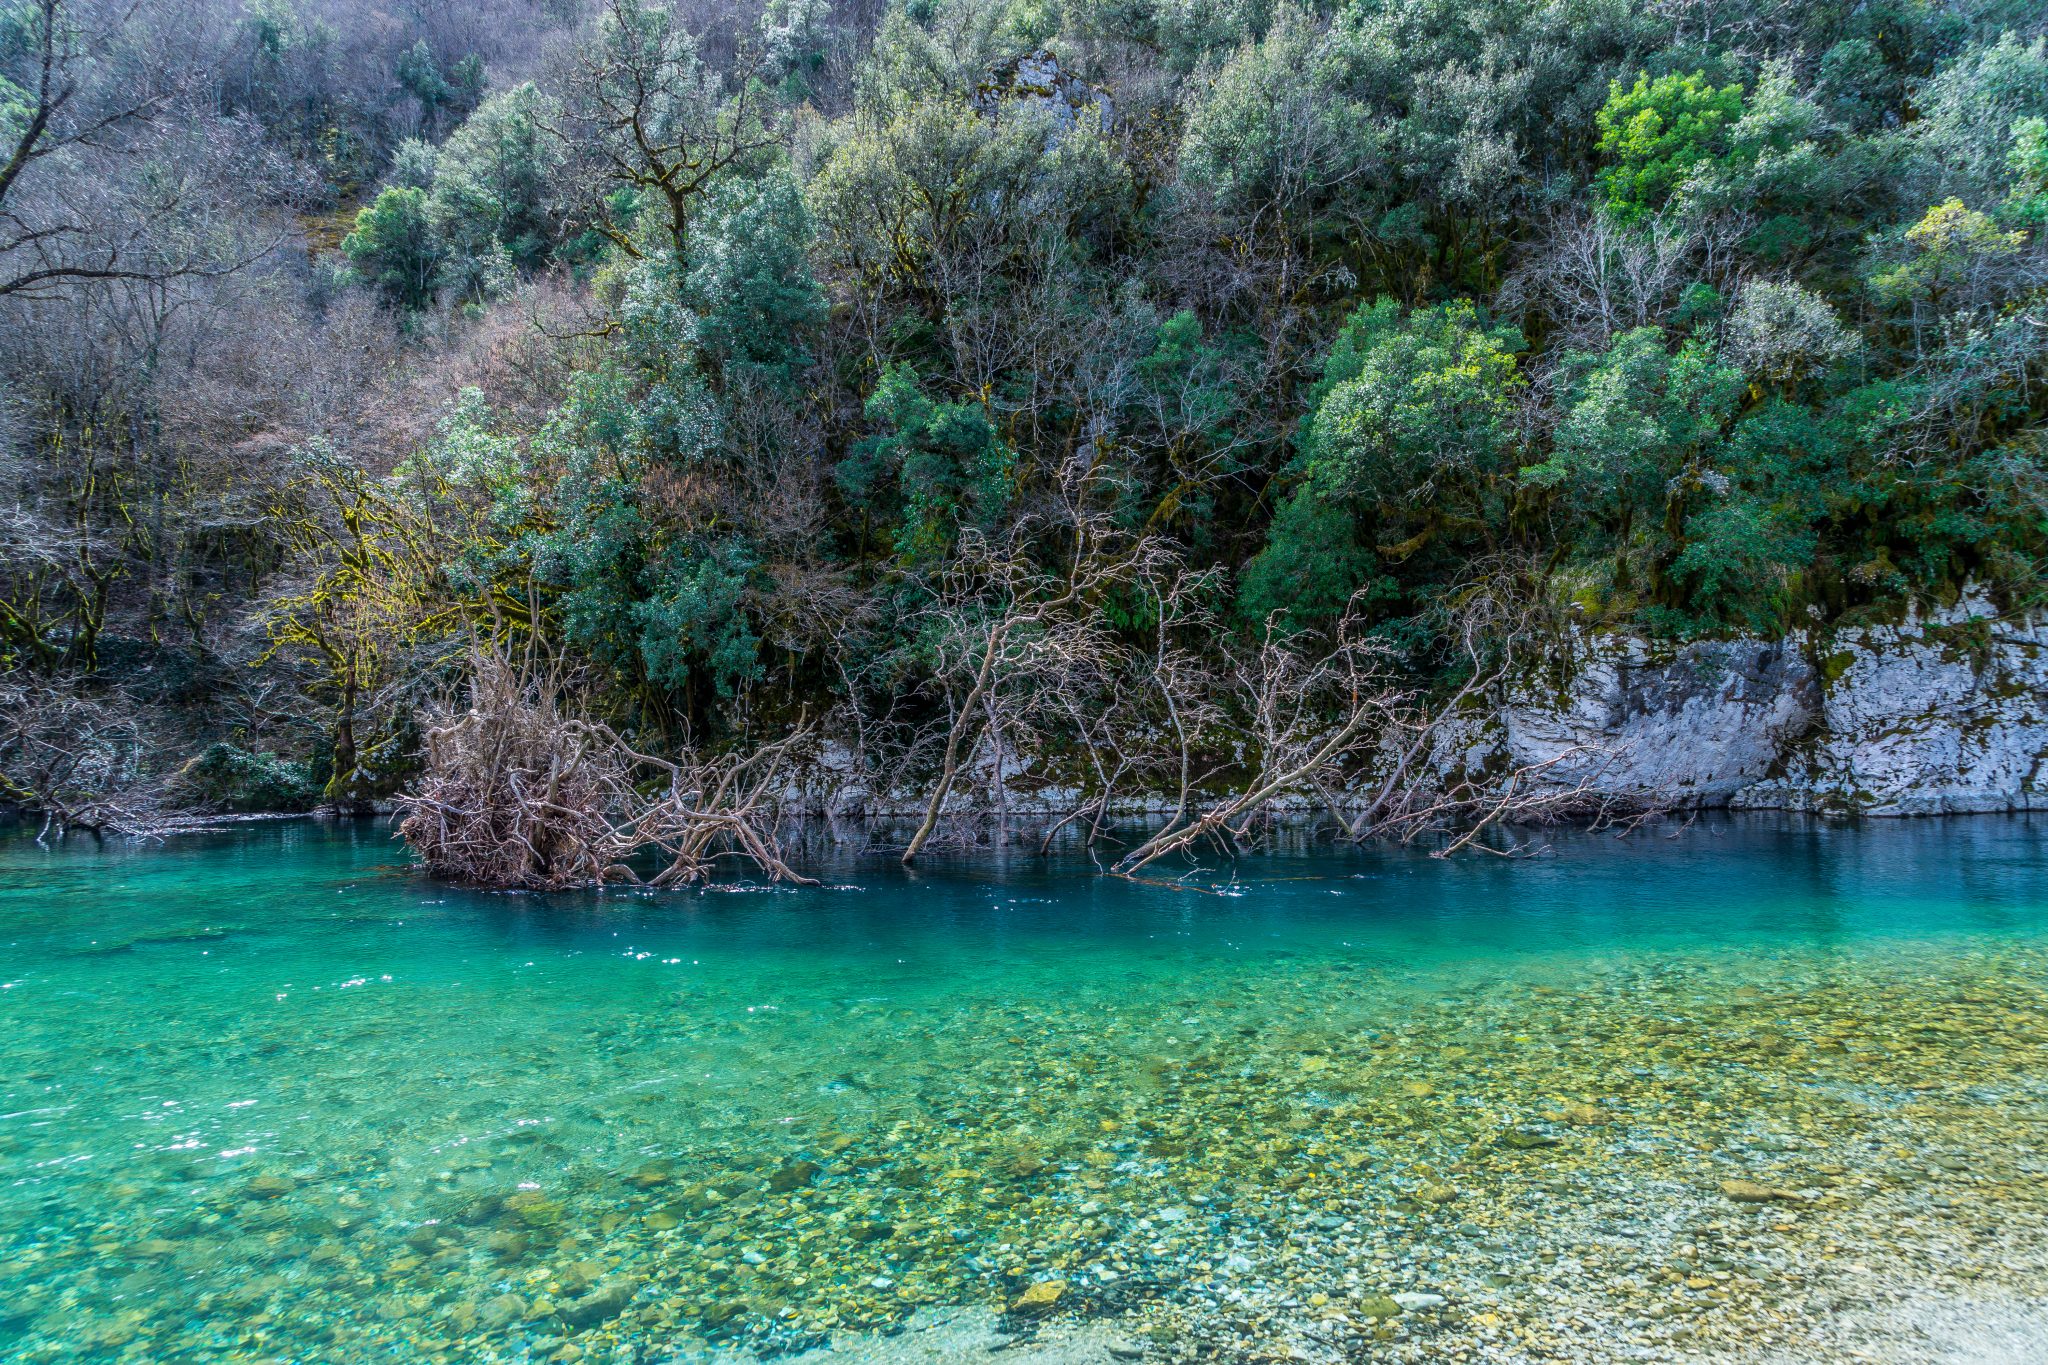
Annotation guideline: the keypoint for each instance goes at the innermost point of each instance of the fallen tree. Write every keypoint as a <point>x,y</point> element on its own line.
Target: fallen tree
<point>519,793</point>
<point>1337,722</point>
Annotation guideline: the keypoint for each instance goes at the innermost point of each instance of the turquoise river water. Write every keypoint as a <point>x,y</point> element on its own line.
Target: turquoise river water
<point>268,1094</point>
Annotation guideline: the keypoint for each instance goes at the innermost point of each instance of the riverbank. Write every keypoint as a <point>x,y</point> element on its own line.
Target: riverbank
<point>1939,709</point>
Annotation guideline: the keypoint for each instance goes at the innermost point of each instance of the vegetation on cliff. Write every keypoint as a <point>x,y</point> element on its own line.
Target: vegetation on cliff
<point>979,378</point>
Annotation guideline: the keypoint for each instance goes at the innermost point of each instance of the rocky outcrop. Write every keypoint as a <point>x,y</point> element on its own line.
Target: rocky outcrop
<point>1036,82</point>
<point>1691,725</point>
<point>1945,711</point>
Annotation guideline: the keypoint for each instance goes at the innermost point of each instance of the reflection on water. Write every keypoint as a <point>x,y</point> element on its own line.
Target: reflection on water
<point>267,1095</point>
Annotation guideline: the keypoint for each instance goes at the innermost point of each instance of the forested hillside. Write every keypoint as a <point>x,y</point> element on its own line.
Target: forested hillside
<point>1130,381</point>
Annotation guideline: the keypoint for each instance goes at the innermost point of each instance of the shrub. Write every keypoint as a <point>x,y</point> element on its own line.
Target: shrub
<point>224,777</point>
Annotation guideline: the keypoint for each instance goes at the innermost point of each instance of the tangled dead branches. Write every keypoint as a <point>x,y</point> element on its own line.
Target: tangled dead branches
<point>74,759</point>
<point>1340,723</point>
<point>518,793</point>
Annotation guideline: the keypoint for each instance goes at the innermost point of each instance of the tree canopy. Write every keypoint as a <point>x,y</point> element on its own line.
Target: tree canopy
<point>723,348</point>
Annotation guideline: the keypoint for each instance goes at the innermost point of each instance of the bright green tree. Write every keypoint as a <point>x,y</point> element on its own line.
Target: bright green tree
<point>395,247</point>
<point>1655,133</point>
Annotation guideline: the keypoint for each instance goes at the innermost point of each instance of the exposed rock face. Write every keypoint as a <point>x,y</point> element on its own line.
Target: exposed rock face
<point>1692,725</point>
<point>1036,81</point>
<point>1939,713</point>
<point>1947,713</point>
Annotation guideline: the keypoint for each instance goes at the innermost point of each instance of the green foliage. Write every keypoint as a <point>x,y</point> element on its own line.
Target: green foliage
<point>1414,418</point>
<point>395,247</point>
<point>1857,83</point>
<point>1191,402</point>
<point>1733,569</point>
<point>490,194</point>
<point>914,184</point>
<point>794,37</point>
<point>1782,334</point>
<point>1942,251</point>
<point>1635,418</point>
<point>473,473</point>
<point>225,777</point>
<point>1191,32</point>
<point>1967,112</point>
<point>658,609</point>
<point>1277,127</point>
<point>693,619</point>
<point>457,88</point>
<point>648,403</point>
<point>1717,320</point>
<point>414,165</point>
<point>931,468</point>
<point>637,432</point>
<point>1656,133</point>
<point>597,561</point>
<point>17,56</point>
<point>750,279</point>
<point>2027,203</point>
<point>1310,568</point>
<point>1406,456</point>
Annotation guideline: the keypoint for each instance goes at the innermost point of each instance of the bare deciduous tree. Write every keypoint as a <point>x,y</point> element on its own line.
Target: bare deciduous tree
<point>1341,721</point>
<point>1011,638</point>
<point>72,758</point>
<point>114,169</point>
<point>1308,712</point>
<point>646,111</point>
<point>1593,278</point>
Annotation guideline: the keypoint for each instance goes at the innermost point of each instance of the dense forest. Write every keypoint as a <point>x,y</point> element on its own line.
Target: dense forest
<point>957,381</point>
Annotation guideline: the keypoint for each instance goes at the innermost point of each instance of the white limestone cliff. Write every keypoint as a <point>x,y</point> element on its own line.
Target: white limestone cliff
<point>1945,711</point>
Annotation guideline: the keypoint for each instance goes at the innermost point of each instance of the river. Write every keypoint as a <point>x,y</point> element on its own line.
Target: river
<point>1743,1087</point>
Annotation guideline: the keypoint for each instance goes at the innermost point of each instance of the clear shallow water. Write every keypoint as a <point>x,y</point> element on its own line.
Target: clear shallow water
<point>268,1094</point>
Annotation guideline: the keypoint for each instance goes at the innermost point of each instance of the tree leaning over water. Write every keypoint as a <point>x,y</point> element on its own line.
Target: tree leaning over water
<point>745,360</point>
